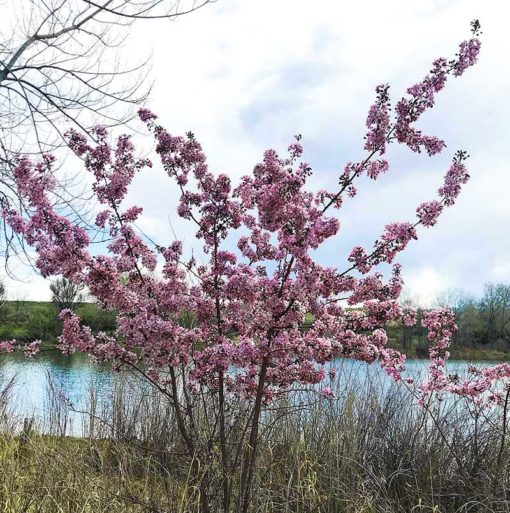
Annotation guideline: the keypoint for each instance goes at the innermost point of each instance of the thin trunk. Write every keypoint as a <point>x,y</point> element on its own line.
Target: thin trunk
<point>226,478</point>
<point>503,433</point>
<point>250,454</point>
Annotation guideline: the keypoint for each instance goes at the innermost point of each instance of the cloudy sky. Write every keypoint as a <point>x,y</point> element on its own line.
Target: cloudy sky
<point>246,75</point>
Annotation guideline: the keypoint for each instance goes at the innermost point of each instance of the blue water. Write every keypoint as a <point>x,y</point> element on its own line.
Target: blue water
<point>74,376</point>
<point>49,374</point>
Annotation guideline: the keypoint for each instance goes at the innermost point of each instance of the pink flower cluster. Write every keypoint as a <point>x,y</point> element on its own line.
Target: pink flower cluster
<point>30,350</point>
<point>428,212</point>
<point>423,96</point>
<point>7,346</point>
<point>454,179</point>
<point>378,121</point>
<point>486,386</point>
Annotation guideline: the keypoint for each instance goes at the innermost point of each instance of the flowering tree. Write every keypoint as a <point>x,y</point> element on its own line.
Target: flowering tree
<point>222,340</point>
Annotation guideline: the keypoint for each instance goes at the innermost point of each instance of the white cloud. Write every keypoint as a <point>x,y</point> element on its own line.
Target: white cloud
<point>27,287</point>
<point>425,285</point>
<point>501,270</point>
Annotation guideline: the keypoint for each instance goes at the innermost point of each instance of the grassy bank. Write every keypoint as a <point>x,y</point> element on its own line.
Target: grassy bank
<point>419,349</point>
<point>29,320</point>
<point>413,341</point>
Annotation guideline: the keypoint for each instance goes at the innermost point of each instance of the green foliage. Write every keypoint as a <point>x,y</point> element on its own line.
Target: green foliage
<point>96,318</point>
<point>29,320</point>
<point>42,323</point>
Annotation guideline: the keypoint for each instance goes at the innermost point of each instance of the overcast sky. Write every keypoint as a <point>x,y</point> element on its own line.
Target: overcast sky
<point>245,75</point>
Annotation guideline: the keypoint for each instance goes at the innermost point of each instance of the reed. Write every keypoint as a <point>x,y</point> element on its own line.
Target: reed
<point>371,449</point>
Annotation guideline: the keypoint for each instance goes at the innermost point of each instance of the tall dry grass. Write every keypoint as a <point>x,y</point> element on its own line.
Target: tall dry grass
<point>368,450</point>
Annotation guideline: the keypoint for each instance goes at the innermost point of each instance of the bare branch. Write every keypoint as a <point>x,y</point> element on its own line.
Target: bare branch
<point>60,68</point>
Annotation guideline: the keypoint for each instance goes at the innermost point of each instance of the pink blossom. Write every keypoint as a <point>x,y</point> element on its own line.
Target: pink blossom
<point>32,349</point>
<point>7,346</point>
<point>327,392</point>
<point>428,212</point>
<point>378,121</point>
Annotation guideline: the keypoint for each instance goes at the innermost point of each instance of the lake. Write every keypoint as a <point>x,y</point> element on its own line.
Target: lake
<point>75,376</point>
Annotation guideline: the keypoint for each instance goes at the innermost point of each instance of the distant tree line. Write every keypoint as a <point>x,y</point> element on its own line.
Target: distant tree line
<point>483,322</point>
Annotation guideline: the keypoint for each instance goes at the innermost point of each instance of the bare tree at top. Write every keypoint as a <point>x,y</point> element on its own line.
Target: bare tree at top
<point>60,67</point>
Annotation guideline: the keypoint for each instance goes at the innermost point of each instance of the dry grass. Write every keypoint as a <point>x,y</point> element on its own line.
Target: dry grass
<point>370,450</point>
